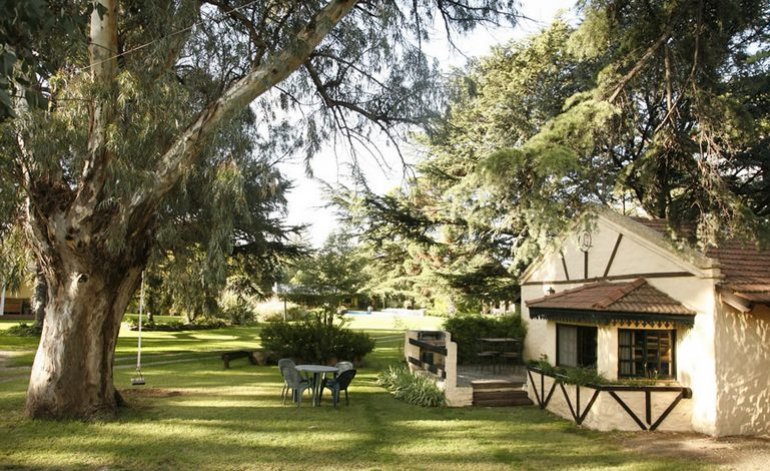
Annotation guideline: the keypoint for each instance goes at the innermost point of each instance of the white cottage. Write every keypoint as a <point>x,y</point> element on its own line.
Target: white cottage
<point>623,298</point>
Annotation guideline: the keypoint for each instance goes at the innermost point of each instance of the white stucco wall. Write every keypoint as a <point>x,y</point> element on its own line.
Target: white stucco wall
<point>636,255</point>
<point>743,371</point>
<point>607,414</point>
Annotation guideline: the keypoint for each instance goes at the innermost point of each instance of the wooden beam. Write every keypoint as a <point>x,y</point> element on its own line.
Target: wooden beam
<point>564,265</point>
<point>628,410</point>
<point>730,299</point>
<point>612,256</point>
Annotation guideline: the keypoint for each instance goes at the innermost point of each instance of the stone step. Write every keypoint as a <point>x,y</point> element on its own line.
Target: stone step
<point>499,394</point>
<point>501,398</point>
<point>482,384</point>
<point>503,402</point>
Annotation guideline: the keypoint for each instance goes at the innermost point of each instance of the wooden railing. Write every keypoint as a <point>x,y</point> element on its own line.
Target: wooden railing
<point>579,415</point>
<point>426,361</point>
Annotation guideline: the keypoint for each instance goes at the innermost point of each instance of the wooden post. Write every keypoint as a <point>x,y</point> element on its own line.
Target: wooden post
<point>2,300</point>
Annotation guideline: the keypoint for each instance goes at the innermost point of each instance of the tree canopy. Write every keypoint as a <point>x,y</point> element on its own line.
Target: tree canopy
<point>145,103</point>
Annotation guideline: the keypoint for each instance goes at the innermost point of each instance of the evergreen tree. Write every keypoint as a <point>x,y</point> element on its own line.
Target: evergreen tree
<point>452,235</point>
<point>677,119</point>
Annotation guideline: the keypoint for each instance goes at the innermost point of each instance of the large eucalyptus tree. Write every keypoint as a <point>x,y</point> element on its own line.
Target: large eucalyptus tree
<point>141,97</point>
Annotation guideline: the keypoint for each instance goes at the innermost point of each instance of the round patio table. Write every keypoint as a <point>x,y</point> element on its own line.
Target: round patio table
<point>319,373</point>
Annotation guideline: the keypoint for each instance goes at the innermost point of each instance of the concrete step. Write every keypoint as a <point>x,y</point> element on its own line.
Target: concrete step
<point>497,395</point>
<point>483,384</point>
<point>503,402</point>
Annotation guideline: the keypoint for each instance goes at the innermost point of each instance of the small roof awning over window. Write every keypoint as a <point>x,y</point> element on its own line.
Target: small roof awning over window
<point>630,303</point>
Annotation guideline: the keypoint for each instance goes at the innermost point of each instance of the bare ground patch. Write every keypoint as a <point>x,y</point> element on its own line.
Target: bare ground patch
<point>149,392</point>
<point>738,453</point>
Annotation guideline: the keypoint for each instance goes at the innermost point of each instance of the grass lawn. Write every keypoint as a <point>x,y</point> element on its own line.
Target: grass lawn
<point>192,414</point>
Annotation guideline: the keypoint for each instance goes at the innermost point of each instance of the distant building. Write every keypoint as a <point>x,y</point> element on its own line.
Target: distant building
<point>16,303</point>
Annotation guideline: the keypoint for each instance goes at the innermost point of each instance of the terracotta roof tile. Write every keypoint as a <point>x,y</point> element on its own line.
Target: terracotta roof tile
<point>632,297</point>
<point>745,267</point>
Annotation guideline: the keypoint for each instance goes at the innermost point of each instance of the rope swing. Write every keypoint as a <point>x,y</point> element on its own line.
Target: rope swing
<point>138,380</point>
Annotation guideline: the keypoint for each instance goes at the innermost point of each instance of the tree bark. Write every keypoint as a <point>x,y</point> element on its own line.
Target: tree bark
<point>72,375</point>
<point>40,298</point>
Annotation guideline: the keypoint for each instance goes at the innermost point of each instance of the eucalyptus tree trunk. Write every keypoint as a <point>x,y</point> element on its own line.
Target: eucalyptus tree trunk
<point>90,277</point>
<point>39,298</point>
<point>72,376</point>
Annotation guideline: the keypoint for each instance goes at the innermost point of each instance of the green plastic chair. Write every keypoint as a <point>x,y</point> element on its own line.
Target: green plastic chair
<point>283,362</point>
<point>340,383</point>
<point>294,383</point>
<point>344,366</point>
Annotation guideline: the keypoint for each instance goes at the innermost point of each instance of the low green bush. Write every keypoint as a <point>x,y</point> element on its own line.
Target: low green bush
<point>572,375</point>
<point>239,314</point>
<point>201,323</point>
<point>315,342</point>
<point>416,390</point>
<point>467,329</point>
<point>294,313</point>
<point>24,330</point>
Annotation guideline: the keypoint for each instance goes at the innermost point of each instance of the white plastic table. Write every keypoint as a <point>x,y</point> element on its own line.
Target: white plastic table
<point>319,373</point>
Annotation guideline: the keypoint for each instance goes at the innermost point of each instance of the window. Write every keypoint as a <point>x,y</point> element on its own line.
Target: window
<point>575,345</point>
<point>646,353</point>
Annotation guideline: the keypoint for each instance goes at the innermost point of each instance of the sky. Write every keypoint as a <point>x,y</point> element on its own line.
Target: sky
<point>306,204</point>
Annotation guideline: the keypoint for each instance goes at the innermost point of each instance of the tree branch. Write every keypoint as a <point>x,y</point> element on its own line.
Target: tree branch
<point>641,63</point>
<point>103,51</point>
<point>183,152</point>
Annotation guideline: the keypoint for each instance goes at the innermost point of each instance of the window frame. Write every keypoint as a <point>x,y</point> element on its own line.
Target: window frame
<point>578,354</point>
<point>646,348</point>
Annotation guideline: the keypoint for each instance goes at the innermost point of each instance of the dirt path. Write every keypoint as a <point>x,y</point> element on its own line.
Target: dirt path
<point>738,453</point>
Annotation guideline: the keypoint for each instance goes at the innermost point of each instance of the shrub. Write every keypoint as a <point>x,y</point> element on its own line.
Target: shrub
<point>24,330</point>
<point>315,341</point>
<point>294,313</point>
<point>467,329</point>
<point>200,323</point>
<point>236,309</point>
<point>572,375</point>
<point>416,390</point>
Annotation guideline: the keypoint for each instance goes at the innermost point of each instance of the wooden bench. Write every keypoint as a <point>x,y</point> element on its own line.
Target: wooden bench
<point>229,356</point>
<point>13,306</point>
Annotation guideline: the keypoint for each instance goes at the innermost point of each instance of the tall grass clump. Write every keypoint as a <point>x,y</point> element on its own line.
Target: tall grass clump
<point>416,390</point>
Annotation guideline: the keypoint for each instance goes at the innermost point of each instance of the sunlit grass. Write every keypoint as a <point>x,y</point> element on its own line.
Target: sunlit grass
<point>386,322</point>
<point>196,415</point>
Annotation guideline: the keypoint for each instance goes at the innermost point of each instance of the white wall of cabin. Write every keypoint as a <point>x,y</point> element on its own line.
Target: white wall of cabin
<point>743,371</point>
<point>636,256</point>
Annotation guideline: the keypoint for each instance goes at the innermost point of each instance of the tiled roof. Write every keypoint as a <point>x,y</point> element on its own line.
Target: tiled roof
<point>631,297</point>
<point>746,269</point>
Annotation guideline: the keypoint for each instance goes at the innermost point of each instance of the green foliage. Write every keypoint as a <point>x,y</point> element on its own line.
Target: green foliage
<point>466,331</point>
<point>457,237</point>
<point>413,389</point>
<point>315,342</point>
<point>31,40</point>
<point>584,376</point>
<point>329,276</point>
<point>236,308</point>
<point>24,330</point>
<point>15,257</point>
<point>175,326</point>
